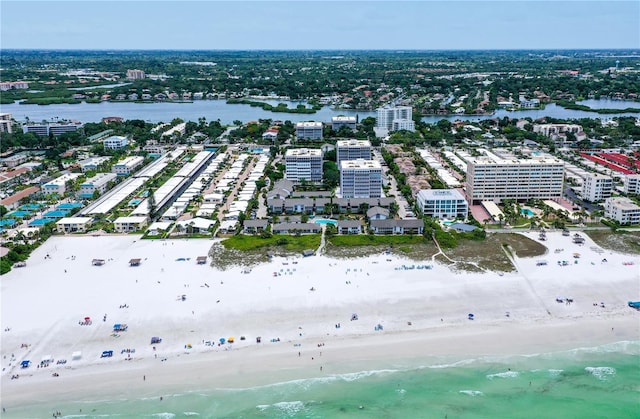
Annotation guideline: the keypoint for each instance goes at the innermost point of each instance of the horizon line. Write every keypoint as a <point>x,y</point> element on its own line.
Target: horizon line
<point>636,49</point>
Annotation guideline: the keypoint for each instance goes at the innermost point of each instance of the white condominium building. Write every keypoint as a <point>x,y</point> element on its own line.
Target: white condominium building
<point>394,118</point>
<point>309,130</point>
<point>596,187</point>
<point>338,122</point>
<point>126,166</point>
<point>97,183</point>
<point>360,179</point>
<point>135,74</point>
<point>442,203</point>
<point>550,130</point>
<point>495,180</point>
<point>59,184</point>
<point>623,210</point>
<point>352,150</point>
<point>303,163</point>
<point>6,125</point>
<point>632,184</point>
<point>115,142</point>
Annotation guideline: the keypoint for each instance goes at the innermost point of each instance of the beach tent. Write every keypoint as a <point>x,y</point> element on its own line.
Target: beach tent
<point>76,355</point>
<point>25,363</point>
<point>155,339</point>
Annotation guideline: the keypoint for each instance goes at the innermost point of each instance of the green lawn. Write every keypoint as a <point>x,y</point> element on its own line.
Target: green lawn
<point>290,243</point>
<point>372,240</point>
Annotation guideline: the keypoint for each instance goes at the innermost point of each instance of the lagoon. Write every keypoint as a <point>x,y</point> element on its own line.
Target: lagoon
<point>227,113</point>
<point>167,111</point>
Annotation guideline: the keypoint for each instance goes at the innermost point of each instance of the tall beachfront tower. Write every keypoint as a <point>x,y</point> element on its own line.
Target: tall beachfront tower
<point>360,179</point>
<point>495,180</point>
<point>303,163</point>
<point>352,150</point>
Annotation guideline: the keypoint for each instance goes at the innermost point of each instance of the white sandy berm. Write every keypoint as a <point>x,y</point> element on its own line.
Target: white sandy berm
<point>300,301</point>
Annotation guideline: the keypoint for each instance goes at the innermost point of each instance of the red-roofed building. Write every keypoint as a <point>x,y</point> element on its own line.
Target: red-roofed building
<point>13,201</point>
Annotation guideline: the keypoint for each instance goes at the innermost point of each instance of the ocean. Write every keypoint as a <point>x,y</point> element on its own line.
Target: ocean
<point>597,382</point>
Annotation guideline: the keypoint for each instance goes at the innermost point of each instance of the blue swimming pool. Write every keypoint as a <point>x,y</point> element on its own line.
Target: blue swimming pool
<point>527,212</point>
<point>325,221</point>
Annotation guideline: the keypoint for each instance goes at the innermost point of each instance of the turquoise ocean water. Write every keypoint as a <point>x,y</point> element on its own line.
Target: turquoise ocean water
<point>598,382</point>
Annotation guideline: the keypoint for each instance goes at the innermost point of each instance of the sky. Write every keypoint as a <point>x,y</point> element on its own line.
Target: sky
<point>312,25</point>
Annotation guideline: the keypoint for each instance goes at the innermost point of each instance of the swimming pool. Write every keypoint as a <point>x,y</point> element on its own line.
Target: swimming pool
<point>325,221</point>
<point>527,212</point>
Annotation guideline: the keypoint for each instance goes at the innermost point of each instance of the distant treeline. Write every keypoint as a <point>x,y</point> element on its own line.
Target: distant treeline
<point>575,106</point>
<point>281,107</point>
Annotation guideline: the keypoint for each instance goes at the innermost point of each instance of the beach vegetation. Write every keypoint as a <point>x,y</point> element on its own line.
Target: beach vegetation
<point>375,240</point>
<point>296,243</point>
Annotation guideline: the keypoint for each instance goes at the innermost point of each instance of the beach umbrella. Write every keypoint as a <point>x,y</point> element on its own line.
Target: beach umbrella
<point>470,316</point>
<point>231,339</point>
<point>222,340</point>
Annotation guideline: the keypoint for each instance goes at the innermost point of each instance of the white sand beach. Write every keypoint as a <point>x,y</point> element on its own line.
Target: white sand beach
<point>298,301</point>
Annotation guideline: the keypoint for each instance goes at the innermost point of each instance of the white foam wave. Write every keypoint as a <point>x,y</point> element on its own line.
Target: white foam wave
<point>163,415</point>
<point>191,413</point>
<point>601,373</point>
<point>555,373</point>
<point>460,363</point>
<point>506,374</point>
<point>472,393</point>
<point>287,408</point>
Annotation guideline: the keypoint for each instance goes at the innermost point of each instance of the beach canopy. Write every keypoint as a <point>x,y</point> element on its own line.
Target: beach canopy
<point>76,355</point>
<point>47,358</point>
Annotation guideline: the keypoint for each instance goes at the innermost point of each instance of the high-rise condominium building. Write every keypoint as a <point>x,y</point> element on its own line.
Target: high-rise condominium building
<point>395,118</point>
<point>303,163</point>
<point>519,179</point>
<point>360,179</point>
<point>309,130</point>
<point>597,187</point>
<point>352,150</point>
<point>135,74</point>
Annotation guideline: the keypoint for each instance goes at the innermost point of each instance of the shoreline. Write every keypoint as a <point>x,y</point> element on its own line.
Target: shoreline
<point>300,301</point>
<point>258,366</point>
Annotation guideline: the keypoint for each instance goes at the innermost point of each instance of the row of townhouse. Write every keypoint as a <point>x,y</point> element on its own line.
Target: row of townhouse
<point>317,205</point>
<point>384,226</point>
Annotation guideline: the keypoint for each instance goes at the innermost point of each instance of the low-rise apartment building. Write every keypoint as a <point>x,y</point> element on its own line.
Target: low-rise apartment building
<point>99,183</point>
<point>126,166</point>
<point>59,184</point>
<point>623,210</point>
<point>442,203</point>
<point>632,184</point>
<point>129,224</point>
<point>115,142</point>
<point>74,224</point>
